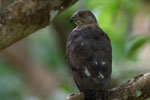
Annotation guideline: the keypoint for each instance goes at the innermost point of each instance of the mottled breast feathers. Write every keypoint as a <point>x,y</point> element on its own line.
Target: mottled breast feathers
<point>89,55</point>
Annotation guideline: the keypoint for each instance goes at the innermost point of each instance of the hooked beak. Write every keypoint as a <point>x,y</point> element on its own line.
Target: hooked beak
<point>72,19</point>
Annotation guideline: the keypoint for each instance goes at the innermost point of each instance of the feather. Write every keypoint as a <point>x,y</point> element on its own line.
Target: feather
<point>89,55</point>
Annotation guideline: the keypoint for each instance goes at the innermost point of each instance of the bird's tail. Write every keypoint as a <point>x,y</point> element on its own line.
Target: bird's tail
<point>95,95</point>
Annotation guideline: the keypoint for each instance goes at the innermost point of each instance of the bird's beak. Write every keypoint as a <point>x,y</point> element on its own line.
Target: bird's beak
<point>72,19</point>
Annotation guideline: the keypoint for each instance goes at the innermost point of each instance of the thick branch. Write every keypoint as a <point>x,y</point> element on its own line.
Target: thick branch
<point>24,17</point>
<point>137,88</point>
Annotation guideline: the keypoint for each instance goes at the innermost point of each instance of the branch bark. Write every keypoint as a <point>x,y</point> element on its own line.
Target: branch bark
<point>137,88</point>
<point>24,17</point>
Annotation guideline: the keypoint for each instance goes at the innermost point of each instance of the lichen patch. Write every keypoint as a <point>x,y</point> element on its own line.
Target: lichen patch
<point>53,13</point>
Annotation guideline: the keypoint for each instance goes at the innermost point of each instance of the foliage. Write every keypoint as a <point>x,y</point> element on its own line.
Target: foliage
<point>115,17</point>
<point>134,43</point>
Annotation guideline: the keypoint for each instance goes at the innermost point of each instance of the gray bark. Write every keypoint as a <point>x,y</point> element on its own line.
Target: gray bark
<point>23,17</point>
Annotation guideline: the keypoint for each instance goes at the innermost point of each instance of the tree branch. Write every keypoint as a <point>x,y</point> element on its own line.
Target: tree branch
<point>24,17</point>
<point>137,88</point>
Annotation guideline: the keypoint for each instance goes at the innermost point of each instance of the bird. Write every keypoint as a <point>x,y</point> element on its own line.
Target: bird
<point>89,54</point>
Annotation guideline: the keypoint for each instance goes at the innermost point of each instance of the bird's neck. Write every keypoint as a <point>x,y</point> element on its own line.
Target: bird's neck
<point>83,26</point>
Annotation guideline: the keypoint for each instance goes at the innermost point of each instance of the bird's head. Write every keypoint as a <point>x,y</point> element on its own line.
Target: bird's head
<point>82,17</point>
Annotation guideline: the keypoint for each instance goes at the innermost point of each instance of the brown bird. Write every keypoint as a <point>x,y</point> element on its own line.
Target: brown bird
<point>89,55</point>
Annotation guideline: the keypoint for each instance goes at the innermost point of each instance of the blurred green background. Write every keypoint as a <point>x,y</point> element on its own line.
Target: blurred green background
<point>36,68</point>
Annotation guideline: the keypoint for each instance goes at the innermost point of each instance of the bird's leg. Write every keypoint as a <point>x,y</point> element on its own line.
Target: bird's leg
<point>105,95</point>
<point>101,95</point>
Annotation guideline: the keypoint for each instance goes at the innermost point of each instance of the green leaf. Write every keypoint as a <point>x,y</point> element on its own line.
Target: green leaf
<point>147,99</point>
<point>134,43</point>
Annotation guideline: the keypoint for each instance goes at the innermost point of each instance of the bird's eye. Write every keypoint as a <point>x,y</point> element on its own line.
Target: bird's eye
<point>81,14</point>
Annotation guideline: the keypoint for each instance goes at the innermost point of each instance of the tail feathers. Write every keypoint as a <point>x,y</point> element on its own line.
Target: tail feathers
<point>90,95</point>
<point>94,95</point>
<point>101,95</point>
